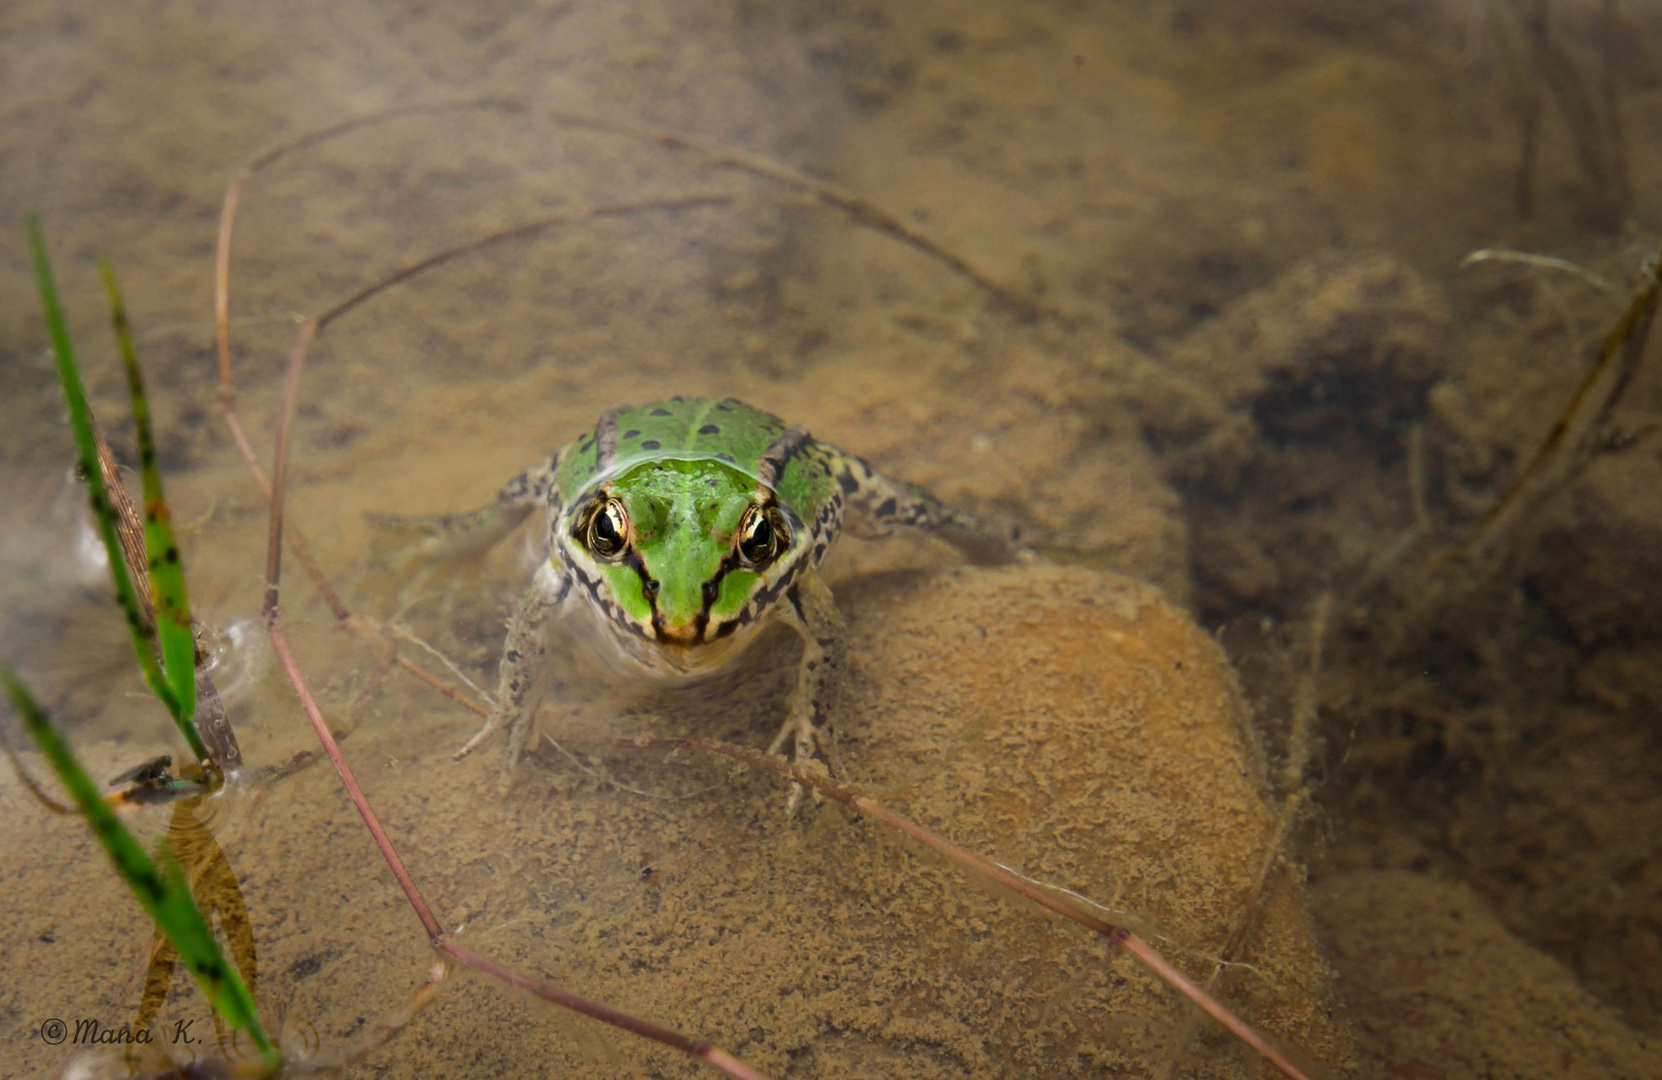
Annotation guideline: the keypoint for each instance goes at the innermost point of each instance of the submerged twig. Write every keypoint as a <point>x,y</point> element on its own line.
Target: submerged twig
<point>445,943</point>
<point>860,211</point>
<point>1295,794</point>
<point>1543,262</point>
<point>440,941</point>
<point>1592,117</point>
<point>1574,438</point>
<point>819,780</point>
<point>30,784</point>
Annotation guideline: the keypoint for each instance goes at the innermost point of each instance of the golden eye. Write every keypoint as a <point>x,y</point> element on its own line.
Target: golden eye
<point>608,529</point>
<point>762,535</point>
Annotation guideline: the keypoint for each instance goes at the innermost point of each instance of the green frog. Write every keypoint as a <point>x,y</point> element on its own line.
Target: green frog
<point>684,526</point>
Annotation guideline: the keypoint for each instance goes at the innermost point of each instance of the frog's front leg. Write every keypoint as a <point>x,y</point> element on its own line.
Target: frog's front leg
<point>412,547</point>
<point>811,609</point>
<point>524,655</point>
<point>880,504</point>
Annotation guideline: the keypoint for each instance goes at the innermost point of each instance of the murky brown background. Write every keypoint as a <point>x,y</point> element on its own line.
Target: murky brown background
<point>1274,374</point>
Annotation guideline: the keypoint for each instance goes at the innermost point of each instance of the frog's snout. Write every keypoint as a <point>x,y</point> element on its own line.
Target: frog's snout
<point>684,634</point>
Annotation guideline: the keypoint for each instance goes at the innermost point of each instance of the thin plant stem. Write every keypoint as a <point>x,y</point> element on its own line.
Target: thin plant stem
<point>862,212</point>
<point>1587,411</point>
<point>645,1029</point>
<point>297,678</point>
<point>438,939</point>
<point>30,784</point>
<point>280,468</point>
<point>868,807</point>
<point>445,943</point>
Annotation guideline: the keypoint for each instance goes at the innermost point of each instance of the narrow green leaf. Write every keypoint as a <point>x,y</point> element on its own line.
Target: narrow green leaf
<point>162,891</point>
<point>167,571</point>
<point>80,418</point>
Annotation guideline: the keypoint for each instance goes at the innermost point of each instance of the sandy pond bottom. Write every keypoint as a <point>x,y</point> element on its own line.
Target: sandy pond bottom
<point>1261,205</point>
<point>1071,724</point>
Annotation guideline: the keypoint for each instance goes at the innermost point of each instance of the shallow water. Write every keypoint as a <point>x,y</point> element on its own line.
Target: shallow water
<point>1257,378</point>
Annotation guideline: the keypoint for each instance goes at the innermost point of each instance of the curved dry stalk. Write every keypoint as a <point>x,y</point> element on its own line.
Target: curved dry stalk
<point>444,943</point>
<point>862,212</point>
<point>1543,262</point>
<point>228,218</point>
<point>222,293</point>
<point>1306,706</point>
<point>437,938</point>
<point>30,784</point>
<point>311,327</point>
<point>382,1033</point>
<point>1573,438</point>
<point>818,780</point>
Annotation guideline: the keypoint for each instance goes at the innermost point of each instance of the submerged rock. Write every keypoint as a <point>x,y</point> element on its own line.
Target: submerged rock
<point>1441,989</point>
<point>1599,564</point>
<point>1070,724</point>
<point>1340,341</point>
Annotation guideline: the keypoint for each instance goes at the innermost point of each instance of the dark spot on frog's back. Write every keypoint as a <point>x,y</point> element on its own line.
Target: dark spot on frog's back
<point>709,429</point>
<point>632,433</point>
<point>659,412</point>
<point>650,444</point>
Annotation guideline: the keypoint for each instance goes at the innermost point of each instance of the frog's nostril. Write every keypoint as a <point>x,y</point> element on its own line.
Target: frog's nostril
<point>709,591</point>
<point>652,586</point>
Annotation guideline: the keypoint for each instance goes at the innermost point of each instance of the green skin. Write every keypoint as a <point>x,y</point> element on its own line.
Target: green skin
<point>686,525</point>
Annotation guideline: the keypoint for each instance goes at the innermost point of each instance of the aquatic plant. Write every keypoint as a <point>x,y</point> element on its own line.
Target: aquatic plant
<point>158,620</point>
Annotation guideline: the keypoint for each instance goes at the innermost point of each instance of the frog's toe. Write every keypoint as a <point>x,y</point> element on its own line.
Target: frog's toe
<point>496,720</point>
<point>813,757</point>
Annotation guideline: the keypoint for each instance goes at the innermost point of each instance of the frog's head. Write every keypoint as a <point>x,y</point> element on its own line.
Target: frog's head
<point>684,553</point>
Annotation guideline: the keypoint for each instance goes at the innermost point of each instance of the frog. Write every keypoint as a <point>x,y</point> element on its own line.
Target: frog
<point>683,527</point>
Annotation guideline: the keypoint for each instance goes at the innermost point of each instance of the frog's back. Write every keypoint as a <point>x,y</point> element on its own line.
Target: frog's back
<point>693,429</point>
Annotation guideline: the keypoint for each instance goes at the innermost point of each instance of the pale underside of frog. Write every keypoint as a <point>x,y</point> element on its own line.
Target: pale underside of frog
<point>685,526</point>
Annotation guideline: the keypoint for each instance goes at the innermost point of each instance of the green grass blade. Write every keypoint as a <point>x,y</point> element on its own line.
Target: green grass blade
<point>161,890</point>
<point>167,571</point>
<point>80,418</point>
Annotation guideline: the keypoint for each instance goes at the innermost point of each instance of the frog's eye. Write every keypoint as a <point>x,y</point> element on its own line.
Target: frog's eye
<point>608,528</point>
<point>762,535</point>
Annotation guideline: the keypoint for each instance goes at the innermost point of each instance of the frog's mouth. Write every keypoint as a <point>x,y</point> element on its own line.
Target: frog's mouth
<point>669,656</point>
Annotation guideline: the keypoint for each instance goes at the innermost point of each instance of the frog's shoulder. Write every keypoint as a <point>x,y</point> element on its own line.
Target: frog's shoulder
<point>677,428</point>
<point>808,481</point>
